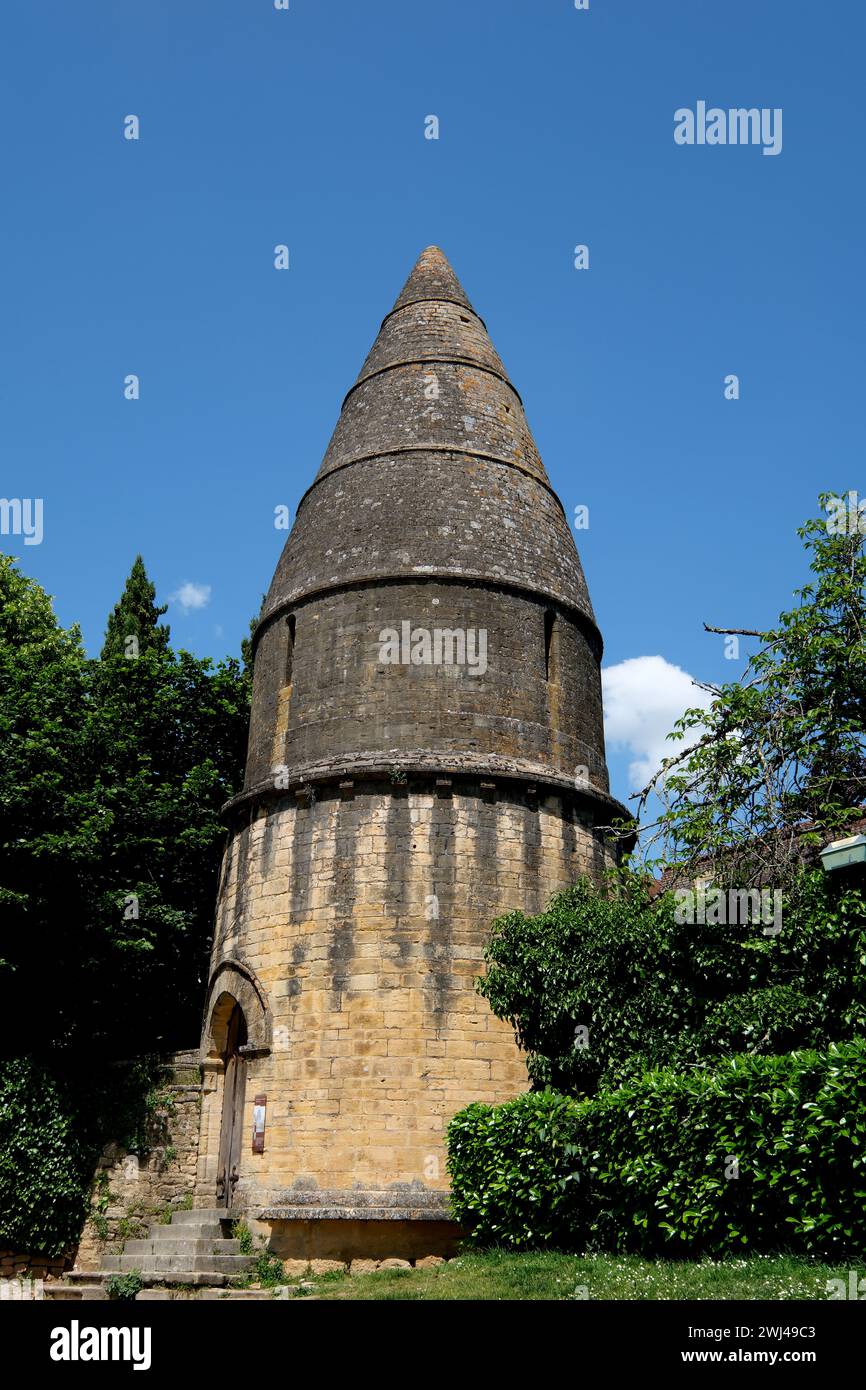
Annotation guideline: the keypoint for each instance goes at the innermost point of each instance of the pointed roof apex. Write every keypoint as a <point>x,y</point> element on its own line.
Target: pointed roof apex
<point>432,468</point>
<point>432,278</point>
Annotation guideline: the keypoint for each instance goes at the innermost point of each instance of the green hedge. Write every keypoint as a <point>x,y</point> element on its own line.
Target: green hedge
<point>649,1168</point>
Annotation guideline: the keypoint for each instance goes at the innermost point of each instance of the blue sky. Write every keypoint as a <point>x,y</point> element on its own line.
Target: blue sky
<point>306,127</point>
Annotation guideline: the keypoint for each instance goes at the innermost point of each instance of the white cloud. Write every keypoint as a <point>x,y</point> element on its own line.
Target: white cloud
<point>191,596</point>
<point>643,698</point>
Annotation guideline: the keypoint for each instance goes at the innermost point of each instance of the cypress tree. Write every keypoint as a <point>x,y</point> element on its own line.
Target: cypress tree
<point>136,616</point>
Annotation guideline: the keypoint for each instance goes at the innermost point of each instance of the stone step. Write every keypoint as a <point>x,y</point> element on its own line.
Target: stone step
<point>202,1286</point>
<point>232,1295</point>
<point>197,1215</point>
<point>210,1230</point>
<point>192,1278</point>
<point>215,1245</point>
<point>174,1264</point>
<point>70,1292</point>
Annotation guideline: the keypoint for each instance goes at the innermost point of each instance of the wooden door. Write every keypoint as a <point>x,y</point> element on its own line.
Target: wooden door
<point>231,1131</point>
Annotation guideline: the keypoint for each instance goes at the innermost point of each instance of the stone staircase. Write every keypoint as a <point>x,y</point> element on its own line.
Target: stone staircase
<point>195,1249</point>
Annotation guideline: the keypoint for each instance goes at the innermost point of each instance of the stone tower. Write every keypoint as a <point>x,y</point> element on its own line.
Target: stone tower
<point>425,753</point>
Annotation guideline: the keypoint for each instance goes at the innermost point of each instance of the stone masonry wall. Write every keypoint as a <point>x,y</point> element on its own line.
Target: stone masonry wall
<point>363,915</point>
<point>15,1264</point>
<point>344,700</point>
<point>132,1190</point>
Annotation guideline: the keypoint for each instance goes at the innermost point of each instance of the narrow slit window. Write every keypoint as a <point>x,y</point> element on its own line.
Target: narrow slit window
<point>549,645</point>
<point>290,647</point>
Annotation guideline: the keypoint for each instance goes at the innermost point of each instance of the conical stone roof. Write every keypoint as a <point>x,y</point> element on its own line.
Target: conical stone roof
<point>432,469</point>
<point>432,278</point>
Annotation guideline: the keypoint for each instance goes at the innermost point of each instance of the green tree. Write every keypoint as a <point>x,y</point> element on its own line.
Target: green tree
<point>779,757</point>
<point>583,984</point>
<point>113,776</point>
<point>111,783</point>
<point>247,642</point>
<point>166,733</point>
<point>136,616</point>
<point>608,983</point>
<point>43,702</point>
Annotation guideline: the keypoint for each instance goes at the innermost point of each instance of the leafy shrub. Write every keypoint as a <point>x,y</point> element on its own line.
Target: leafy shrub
<point>772,1020</point>
<point>593,960</point>
<point>53,1125</point>
<point>45,1169</point>
<point>515,1169</point>
<point>758,1154</point>
<point>124,1286</point>
<point>242,1233</point>
<point>606,984</point>
<point>269,1270</point>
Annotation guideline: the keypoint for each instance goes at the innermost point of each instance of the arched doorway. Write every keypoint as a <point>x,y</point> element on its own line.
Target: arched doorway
<point>231,1127</point>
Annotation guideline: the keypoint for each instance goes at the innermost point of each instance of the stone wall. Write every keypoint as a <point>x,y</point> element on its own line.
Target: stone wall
<point>14,1264</point>
<point>132,1190</point>
<point>525,705</point>
<point>361,917</point>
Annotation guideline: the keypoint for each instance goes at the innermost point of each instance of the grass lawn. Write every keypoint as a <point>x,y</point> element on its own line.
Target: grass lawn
<point>498,1275</point>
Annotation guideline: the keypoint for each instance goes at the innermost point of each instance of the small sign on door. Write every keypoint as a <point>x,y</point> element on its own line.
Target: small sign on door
<point>259,1107</point>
